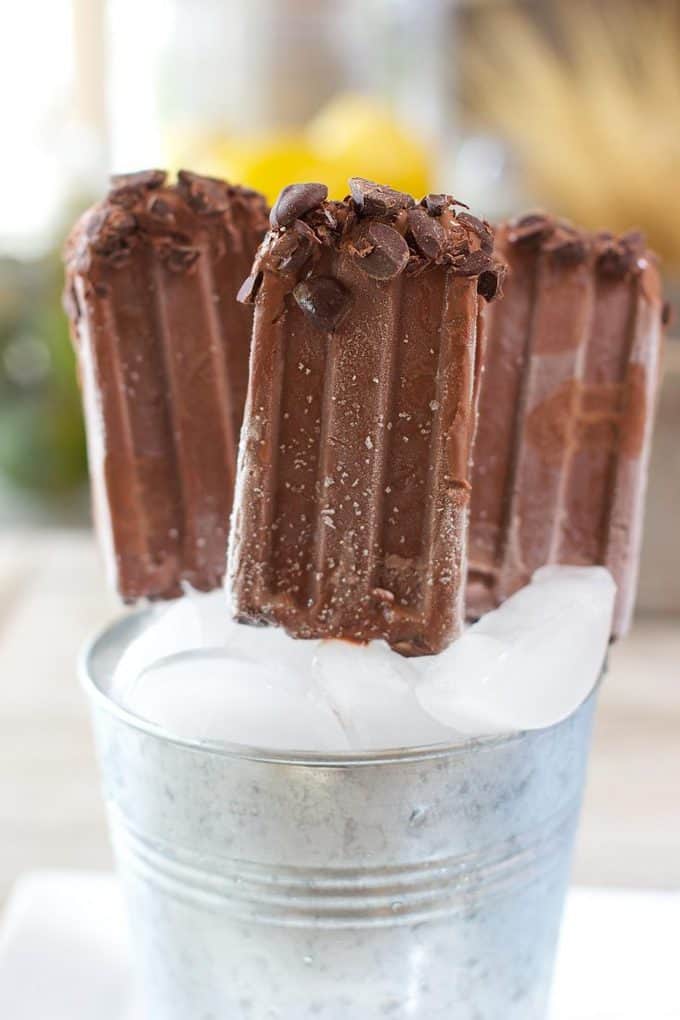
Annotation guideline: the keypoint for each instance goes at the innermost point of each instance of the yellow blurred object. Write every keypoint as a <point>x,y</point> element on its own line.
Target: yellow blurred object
<point>354,135</point>
<point>360,136</point>
<point>595,118</point>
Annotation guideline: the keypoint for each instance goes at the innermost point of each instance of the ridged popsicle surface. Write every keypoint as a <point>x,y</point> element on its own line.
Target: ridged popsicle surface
<point>163,349</point>
<point>566,410</point>
<point>353,485</point>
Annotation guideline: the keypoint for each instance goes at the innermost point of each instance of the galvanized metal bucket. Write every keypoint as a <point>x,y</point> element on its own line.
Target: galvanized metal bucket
<point>416,883</point>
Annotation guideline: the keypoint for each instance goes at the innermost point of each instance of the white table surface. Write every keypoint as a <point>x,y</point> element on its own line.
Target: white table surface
<point>52,596</point>
<point>64,953</point>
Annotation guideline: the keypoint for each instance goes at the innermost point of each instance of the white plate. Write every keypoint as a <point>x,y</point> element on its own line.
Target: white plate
<point>64,954</point>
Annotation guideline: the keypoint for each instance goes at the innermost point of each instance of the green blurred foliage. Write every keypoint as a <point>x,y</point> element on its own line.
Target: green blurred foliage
<point>42,441</point>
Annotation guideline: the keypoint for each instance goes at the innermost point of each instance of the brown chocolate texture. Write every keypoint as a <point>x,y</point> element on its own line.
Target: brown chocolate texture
<point>566,410</point>
<point>152,277</point>
<point>351,508</point>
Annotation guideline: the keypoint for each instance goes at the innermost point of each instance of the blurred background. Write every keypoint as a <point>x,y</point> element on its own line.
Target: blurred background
<point>572,105</point>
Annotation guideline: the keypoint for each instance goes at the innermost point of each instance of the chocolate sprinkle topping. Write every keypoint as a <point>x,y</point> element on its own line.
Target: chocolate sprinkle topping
<point>383,233</point>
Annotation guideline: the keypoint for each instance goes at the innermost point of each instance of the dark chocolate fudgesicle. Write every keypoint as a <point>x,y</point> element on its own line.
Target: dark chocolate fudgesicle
<point>351,507</point>
<point>566,411</point>
<point>162,344</point>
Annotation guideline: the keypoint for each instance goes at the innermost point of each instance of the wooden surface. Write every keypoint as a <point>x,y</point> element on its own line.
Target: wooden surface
<point>52,597</point>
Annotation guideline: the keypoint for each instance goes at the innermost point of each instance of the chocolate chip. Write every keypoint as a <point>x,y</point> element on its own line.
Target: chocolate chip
<point>614,261</point>
<point>142,180</point>
<point>290,251</point>
<point>474,263</point>
<point>489,284</point>
<point>427,232</point>
<point>324,300</point>
<point>373,199</point>
<point>666,313</point>
<point>436,204</point>
<point>127,189</point>
<point>531,220</point>
<point>109,229</point>
<point>380,251</point>
<point>479,227</point>
<point>249,289</point>
<point>567,246</point>
<point>203,194</point>
<point>635,241</point>
<point>177,259</point>
<point>531,229</point>
<point>161,210</point>
<point>294,201</point>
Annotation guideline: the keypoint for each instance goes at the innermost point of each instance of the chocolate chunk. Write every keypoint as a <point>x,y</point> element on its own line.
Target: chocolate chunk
<point>478,227</point>
<point>380,251</point>
<point>373,199</point>
<point>427,232</point>
<point>324,300</point>
<point>203,194</point>
<point>294,201</point>
<point>247,292</point>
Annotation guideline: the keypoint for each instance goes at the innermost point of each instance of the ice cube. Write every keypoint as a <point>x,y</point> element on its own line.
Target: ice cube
<point>172,627</point>
<point>371,689</point>
<point>209,695</point>
<point>529,663</point>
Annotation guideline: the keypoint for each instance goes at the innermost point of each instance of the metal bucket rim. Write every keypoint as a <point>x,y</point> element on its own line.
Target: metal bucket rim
<point>92,681</point>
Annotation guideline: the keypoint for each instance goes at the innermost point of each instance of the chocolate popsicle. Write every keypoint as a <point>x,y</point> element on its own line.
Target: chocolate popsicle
<point>162,344</point>
<point>566,411</point>
<point>351,506</point>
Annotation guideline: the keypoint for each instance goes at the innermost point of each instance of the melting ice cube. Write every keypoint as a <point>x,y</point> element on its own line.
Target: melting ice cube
<point>208,695</point>
<point>372,691</point>
<point>529,663</point>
